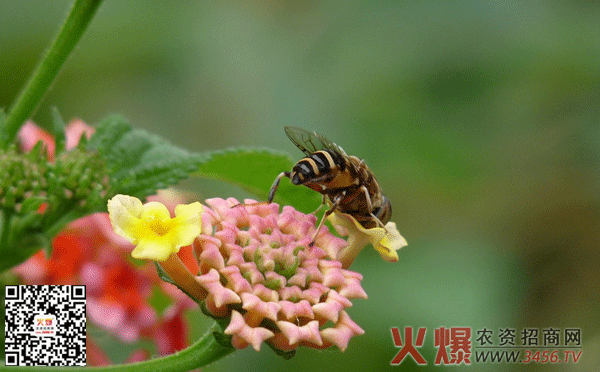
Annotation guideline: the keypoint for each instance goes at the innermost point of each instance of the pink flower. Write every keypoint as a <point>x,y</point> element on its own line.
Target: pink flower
<point>30,134</point>
<point>260,270</point>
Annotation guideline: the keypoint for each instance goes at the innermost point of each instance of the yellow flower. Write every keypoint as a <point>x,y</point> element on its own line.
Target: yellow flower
<point>385,241</point>
<point>151,228</point>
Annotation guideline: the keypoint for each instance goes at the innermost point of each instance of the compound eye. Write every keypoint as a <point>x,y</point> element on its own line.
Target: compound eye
<point>297,178</point>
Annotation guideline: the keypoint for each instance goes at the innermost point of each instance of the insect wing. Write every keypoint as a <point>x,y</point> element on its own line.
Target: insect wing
<point>310,142</point>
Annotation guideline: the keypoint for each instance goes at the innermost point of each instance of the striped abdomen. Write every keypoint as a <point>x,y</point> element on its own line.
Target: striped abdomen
<point>319,166</point>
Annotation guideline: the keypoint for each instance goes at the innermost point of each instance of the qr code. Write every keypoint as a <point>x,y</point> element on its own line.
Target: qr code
<point>45,325</point>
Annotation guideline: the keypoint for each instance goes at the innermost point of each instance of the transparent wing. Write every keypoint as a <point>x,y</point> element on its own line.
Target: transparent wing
<point>310,142</point>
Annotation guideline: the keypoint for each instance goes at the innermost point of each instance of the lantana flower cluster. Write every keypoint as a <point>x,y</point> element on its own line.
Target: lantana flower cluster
<point>260,271</point>
<point>263,274</point>
<point>260,268</point>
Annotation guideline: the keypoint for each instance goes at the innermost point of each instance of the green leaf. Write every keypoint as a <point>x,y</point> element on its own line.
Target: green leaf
<point>108,132</point>
<point>254,170</point>
<point>140,163</point>
<point>18,243</point>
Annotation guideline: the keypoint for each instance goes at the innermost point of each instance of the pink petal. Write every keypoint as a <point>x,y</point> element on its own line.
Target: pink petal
<point>333,277</point>
<point>265,293</point>
<point>211,257</point>
<point>293,293</point>
<point>295,334</point>
<point>273,278</point>
<point>250,272</point>
<point>333,305</point>
<point>314,292</point>
<point>30,134</point>
<point>343,331</point>
<point>299,278</point>
<point>331,244</point>
<point>252,335</point>
<point>265,309</point>
<point>252,207</point>
<point>292,311</point>
<point>228,234</point>
<point>236,323</point>
<point>352,287</point>
<point>75,130</point>
<point>235,280</point>
<point>222,296</point>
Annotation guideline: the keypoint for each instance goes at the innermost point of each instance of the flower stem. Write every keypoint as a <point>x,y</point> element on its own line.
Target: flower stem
<point>71,31</point>
<point>183,278</point>
<point>203,352</point>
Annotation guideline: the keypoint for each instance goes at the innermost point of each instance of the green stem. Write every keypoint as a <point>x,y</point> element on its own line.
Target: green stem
<point>203,352</point>
<point>79,18</point>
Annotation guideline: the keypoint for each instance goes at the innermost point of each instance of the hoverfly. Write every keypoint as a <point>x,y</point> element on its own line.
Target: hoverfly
<point>346,180</point>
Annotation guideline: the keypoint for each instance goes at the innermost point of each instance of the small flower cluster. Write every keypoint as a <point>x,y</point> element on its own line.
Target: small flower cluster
<point>260,273</point>
<point>259,267</point>
<point>73,176</point>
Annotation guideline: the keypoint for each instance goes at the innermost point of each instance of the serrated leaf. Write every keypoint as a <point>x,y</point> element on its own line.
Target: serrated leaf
<point>108,132</point>
<point>254,170</point>
<point>150,175</point>
<point>128,151</point>
<point>140,163</point>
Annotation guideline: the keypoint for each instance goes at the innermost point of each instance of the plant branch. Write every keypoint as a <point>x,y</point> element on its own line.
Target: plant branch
<point>71,31</point>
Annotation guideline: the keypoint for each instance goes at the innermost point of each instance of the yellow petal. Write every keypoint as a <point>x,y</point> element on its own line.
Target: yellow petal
<point>149,249</point>
<point>385,241</point>
<point>124,211</point>
<point>391,242</point>
<point>151,228</point>
<point>188,211</point>
<point>189,222</point>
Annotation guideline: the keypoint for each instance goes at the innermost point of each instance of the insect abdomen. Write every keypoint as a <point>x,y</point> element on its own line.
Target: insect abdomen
<point>316,165</point>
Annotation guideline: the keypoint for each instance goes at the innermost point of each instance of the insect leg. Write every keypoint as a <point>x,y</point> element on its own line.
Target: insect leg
<point>368,198</point>
<point>335,205</point>
<point>370,207</point>
<point>276,184</point>
<point>320,206</point>
<point>378,221</point>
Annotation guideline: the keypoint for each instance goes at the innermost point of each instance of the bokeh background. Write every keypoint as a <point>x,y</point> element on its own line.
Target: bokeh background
<point>479,118</point>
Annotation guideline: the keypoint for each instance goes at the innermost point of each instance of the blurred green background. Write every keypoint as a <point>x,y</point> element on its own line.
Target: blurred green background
<point>479,118</point>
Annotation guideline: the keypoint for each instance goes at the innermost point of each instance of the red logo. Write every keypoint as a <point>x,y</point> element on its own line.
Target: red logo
<point>459,341</point>
<point>454,345</point>
<point>408,347</point>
